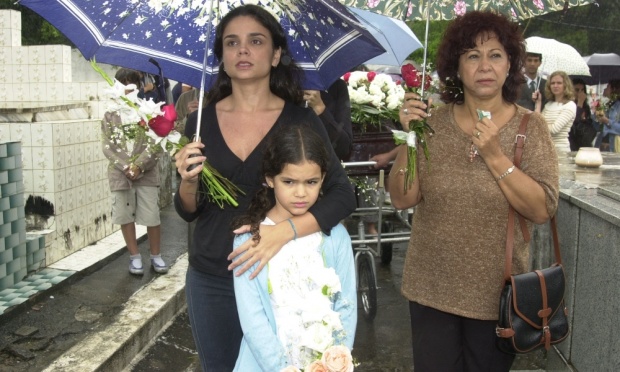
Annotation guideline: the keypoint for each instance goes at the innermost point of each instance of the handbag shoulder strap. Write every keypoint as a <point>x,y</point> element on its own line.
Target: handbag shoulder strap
<point>520,142</point>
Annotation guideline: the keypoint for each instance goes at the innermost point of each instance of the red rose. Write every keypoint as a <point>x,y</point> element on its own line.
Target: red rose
<point>371,76</point>
<point>410,75</point>
<point>408,69</point>
<point>164,124</point>
<point>169,112</point>
<point>346,77</point>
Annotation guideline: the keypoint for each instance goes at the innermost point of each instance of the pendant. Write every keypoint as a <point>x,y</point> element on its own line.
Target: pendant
<point>473,152</point>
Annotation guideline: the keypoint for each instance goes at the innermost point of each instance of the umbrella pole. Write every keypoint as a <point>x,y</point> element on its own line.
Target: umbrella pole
<point>425,48</point>
<point>201,92</point>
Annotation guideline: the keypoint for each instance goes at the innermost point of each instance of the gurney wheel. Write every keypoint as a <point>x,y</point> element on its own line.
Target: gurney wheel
<point>367,287</point>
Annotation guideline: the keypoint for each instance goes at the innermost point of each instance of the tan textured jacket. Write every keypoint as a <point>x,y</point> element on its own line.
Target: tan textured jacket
<point>115,149</point>
<point>455,258</point>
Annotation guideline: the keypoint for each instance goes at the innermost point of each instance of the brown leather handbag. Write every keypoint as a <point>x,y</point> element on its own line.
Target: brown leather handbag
<point>531,308</point>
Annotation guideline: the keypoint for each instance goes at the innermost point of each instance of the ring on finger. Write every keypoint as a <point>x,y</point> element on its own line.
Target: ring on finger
<point>405,111</point>
<point>477,134</point>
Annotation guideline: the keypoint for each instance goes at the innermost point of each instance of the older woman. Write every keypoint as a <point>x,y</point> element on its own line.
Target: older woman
<point>560,110</point>
<point>454,265</point>
<point>256,93</point>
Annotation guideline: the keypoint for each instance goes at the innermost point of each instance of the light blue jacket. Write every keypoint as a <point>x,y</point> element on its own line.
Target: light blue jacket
<point>260,348</point>
<point>614,120</point>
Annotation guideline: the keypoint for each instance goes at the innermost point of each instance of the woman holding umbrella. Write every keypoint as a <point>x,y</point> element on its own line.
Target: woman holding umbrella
<point>454,265</point>
<point>257,91</point>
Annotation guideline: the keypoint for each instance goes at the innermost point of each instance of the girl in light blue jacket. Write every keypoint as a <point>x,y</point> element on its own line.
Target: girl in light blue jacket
<point>305,300</point>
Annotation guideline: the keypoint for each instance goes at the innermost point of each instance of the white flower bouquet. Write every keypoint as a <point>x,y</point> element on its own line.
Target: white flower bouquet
<point>375,98</point>
<point>156,120</point>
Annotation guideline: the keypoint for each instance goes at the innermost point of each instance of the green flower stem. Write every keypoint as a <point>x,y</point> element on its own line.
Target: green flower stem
<point>219,189</point>
<point>421,129</point>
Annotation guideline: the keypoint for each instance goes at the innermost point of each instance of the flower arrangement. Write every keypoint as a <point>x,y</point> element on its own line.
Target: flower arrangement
<point>375,98</point>
<point>418,129</point>
<point>311,334</point>
<point>156,121</point>
<point>336,358</point>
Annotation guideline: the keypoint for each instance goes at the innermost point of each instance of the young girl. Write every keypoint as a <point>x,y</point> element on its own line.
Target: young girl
<point>306,296</point>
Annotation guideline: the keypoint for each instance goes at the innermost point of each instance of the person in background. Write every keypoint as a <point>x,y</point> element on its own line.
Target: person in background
<point>583,131</point>
<point>534,84</point>
<point>133,176</point>
<point>271,306</point>
<point>610,118</point>
<point>453,270</point>
<point>247,104</point>
<point>333,107</point>
<point>186,104</point>
<point>560,110</point>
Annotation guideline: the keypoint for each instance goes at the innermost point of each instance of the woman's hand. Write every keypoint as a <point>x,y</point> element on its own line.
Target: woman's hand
<point>190,154</point>
<point>412,109</point>
<point>271,241</point>
<point>486,138</point>
<point>313,99</point>
<point>537,98</point>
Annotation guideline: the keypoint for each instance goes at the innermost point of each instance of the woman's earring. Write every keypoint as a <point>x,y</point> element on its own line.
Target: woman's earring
<point>458,76</point>
<point>507,74</point>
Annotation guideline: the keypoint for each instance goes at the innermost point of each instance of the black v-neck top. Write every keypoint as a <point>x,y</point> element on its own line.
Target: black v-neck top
<point>213,238</point>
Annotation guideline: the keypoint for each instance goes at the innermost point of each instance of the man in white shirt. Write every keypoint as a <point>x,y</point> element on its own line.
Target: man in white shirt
<point>534,82</point>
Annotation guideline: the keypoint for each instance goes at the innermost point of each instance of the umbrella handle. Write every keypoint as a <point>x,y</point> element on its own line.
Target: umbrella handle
<point>160,87</point>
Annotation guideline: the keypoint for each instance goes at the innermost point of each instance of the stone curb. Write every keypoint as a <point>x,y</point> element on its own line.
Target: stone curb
<point>145,314</point>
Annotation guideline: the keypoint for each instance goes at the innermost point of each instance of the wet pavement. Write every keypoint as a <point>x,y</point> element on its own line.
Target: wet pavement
<point>35,333</point>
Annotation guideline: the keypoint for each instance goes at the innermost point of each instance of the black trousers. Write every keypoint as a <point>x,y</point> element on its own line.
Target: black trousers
<point>451,343</point>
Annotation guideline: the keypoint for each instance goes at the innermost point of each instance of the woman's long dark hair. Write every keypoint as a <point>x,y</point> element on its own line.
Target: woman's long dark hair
<point>285,78</point>
<point>292,144</point>
<point>461,35</point>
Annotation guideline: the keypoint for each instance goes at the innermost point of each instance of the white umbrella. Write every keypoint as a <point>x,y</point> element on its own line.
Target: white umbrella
<point>394,36</point>
<point>557,56</point>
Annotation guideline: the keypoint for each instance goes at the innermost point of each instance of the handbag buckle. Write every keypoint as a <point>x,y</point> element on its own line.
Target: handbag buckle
<point>520,135</point>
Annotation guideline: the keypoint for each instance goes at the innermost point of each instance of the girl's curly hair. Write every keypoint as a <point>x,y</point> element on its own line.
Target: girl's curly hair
<point>291,144</point>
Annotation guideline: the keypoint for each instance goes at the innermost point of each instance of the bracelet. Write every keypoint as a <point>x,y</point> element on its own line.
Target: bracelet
<point>506,173</point>
<point>293,227</point>
<point>401,171</point>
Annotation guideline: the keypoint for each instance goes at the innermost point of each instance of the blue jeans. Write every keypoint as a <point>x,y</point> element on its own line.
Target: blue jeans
<point>213,316</point>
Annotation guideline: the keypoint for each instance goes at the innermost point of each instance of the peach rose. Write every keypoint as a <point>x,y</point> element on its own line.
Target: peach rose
<point>290,369</point>
<point>338,359</point>
<point>316,366</point>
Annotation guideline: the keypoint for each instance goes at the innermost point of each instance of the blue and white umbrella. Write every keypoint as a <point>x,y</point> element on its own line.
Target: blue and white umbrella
<point>323,37</point>
<point>394,35</point>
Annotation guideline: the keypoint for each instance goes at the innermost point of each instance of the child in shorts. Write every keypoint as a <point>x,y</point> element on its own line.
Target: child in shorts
<point>133,176</point>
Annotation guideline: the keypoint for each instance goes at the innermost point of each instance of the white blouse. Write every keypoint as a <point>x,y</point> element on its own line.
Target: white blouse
<point>560,117</point>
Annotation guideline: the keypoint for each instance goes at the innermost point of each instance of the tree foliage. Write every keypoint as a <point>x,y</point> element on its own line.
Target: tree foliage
<point>35,30</point>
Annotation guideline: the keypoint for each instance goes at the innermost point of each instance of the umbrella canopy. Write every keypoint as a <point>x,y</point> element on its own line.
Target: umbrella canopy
<point>394,35</point>
<point>557,56</point>
<point>325,40</point>
<point>436,10</point>
<point>448,9</point>
<point>603,67</point>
